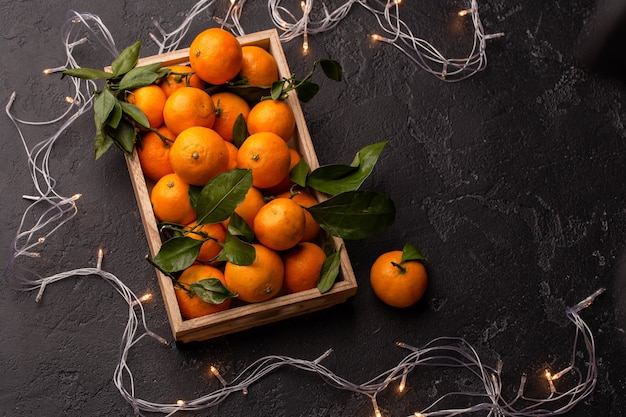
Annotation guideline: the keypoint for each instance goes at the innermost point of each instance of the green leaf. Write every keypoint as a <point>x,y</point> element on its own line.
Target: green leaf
<point>126,60</point>
<point>178,253</point>
<point>299,172</point>
<point>102,143</point>
<point>194,195</point>
<point>329,272</point>
<point>240,131</point>
<point>103,104</point>
<point>220,196</point>
<point>337,178</point>
<point>332,69</point>
<point>237,226</point>
<point>354,214</point>
<point>116,115</point>
<point>87,73</point>
<point>237,251</point>
<point>140,76</point>
<point>307,90</point>
<point>410,252</point>
<point>277,89</point>
<point>135,113</point>
<point>124,136</point>
<point>212,290</point>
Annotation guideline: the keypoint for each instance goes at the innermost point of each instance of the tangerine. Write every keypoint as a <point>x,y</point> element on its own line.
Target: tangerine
<point>249,207</point>
<point>215,55</point>
<point>305,199</point>
<point>228,106</point>
<point>280,224</point>
<point>180,76</point>
<point>211,247</point>
<point>398,284</point>
<point>198,155</point>
<point>170,200</point>
<point>258,66</point>
<point>191,305</point>
<point>267,155</point>
<point>259,281</point>
<point>272,116</point>
<point>303,264</point>
<point>188,107</point>
<point>285,184</point>
<point>151,100</point>
<point>232,156</point>
<point>154,153</point>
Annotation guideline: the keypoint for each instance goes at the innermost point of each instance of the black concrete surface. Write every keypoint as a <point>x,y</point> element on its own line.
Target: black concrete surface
<point>511,182</point>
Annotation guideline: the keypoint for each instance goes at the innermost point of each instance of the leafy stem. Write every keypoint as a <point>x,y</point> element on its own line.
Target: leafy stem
<point>305,88</point>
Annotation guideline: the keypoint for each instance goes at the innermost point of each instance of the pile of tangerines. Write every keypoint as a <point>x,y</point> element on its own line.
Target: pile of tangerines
<point>193,143</point>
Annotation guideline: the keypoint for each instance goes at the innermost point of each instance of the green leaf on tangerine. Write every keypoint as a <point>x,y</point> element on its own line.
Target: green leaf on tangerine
<point>103,104</point>
<point>116,115</point>
<point>338,178</point>
<point>87,73</point>
<point>140,76</point>
<point>102,143</point>
<point>276,91</point>
<point>354,214</point>
<point>307,90</point>
<point>240,131</point>
<point>329,272</point>
<point>332,69</point>
<point>410,252</point>
<point>124,136</point>
<point>126,60</point>
<point>299,172</point>
<point>212,290</point>
<point>237,226</point>
<point>237,251</point>
<point>221,195</point>
<point>178,253</point>
<point>135,113</point>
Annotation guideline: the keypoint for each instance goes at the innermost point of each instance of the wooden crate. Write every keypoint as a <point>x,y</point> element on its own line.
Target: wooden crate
<point>241,317</point>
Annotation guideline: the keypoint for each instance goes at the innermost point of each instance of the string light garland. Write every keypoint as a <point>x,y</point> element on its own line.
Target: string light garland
<point>445,352</point>
<point>300,22</point>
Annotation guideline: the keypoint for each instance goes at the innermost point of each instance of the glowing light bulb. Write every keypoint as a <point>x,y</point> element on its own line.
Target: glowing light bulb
<point>215,372</point>
<point>76,197</point>
<point>375,37</point>
<point>100,256</point>
<point>145,297</point>
<point>548,375</point>
<point>402,385</point>
<point>465,12</point>
<point>69,99</point>
<point>41,239</point>
<point>303,5</point>
<point>180,403</point>
<point>47,71</point>
<point>417,414</point>
<point>305,47</point>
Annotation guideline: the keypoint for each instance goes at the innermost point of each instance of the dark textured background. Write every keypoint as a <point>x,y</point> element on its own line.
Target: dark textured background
<point>512,184</point>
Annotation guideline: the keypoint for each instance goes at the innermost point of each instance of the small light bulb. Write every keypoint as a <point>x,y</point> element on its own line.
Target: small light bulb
<point>69,99</point>
<point>47,71</point>
<point>375,37</point>
<point>180,403</point>
<point>418,414</point>
<point>100,256</point>
<point>41,239</point>
<point>305,47</point>
<point>215,372</point>
<point>303,5</point>
<point>76,197</point>
<point>465,12</point>
<point>548,375</point>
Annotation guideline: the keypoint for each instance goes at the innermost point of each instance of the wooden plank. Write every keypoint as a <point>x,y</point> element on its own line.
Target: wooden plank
<point>241,316</point>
